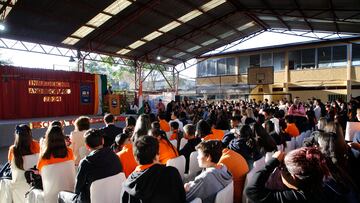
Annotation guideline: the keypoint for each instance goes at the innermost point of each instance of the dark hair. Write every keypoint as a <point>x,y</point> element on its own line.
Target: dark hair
<point>175,113</point>
<point>145,149</point>
<point>93,138</point>
<point>202,129</point>
<point>212,148</point>
<point>152,117</point>
<point>162,115</point>
<point>22,144</point>
<point>309,167</point>
<point>109,118</point>
<point>174,125</point>
<point>189,129</point>
<point>142,126</point>
<point>290,119</point>
<point>130,121</point>
<point>82,123</point>
<point>248,135</point>
<point>155,124</point>
<point>120,139</point>
<point>159,133</point>
<point>54,143</point>
<point>56,122</point>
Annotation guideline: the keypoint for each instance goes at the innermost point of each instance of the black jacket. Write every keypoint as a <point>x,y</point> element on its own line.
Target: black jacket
<point>98,164</point>
<point>110,133</point>
<point>257,192</point>
<point>157,184</point>
<point>188,149</point>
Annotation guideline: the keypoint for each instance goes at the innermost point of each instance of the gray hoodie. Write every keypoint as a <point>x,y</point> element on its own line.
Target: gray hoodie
<point>208,183</point>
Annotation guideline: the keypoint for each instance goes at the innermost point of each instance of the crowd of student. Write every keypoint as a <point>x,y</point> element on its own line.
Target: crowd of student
<point>229,138</point>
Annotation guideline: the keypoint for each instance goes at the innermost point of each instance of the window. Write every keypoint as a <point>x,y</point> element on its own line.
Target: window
<point>211,67</point>
<point>324,57</point>
<point>279,61</point>
<point>266,60</point>
<point>308,58</point>
<point>255,60</point>
<point>294,60</point>
<point>339,55</point>
<point>201,69</point>
<point>230,66</point>
<point>221,66</point>
<point>355,54</point>
<point>244,64</point>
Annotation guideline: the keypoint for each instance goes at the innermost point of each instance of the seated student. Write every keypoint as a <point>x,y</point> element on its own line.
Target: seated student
<point>246,145</point>
<point>213,178</point>
<point>166,149</point>
<point>55,150</point>
<point>164,125</point>
<point>151,181</point>
<point>100,163</point>
<point>189,147</point>
<point>176,134</point>
<point>291,128</point>
<point>203,129</point>
<point>82,124</point>
<point>174,118</point>
<point>129,125</point>
<point>23,145</point>
<point>238,167</point>
<point>125,153</point>
<point>235,124</point>
<point>217,133</point>
<point>110,130</point>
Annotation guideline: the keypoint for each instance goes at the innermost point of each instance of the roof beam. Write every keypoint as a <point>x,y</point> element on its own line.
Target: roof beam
<point>303,15</point>
<point>120,25</point>
<point>276,14</point>
<point>196,31</point>
<point>334,15</point>
<point>240,7</point>
<point>191,5</point>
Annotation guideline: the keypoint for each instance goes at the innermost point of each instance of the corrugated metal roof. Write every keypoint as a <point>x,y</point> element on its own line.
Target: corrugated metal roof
<point>144,29</point>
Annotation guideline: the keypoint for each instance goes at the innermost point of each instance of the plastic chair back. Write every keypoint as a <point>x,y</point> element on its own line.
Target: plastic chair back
<point>226,195</point>
<point>107,189</point>
<point>179,163</point>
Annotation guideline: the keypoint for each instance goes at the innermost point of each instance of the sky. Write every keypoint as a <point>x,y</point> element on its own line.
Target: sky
<point>34,60</point>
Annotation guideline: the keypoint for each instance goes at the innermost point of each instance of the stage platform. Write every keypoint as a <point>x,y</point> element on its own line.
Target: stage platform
<point>39,126</point>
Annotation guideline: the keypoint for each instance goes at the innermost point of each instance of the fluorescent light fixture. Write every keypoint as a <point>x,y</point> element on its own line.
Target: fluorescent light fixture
<point>70,41</point>
<point>117,6</point>
<point>194,48</point>
<point>98,20</point>
<point>212,4</point>
<point>152,36</point>
<point>209,42</point>
<point>169,26</point>
<point>136,44</point>
<point>83,31</point>
<point>166,60</point>
<point>158,58</point>
<point>123,51</point>
<point>179,55</point>
<point>246,26</point>
<point>226,34</point>
<point>189,16</point>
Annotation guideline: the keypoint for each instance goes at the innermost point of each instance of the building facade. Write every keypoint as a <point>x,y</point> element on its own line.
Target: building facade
<point>322,69</point>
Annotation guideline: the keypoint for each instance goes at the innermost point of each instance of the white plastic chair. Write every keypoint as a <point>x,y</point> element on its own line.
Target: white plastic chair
<point>193,163</point>
<point>19,186</point>
<point>183,142</point>
<point>174,142</point>
<point>55,178</point>
<point>107,189</point>
<point>351,128</point>
<point>196,200</point>
<point>179,163</point>
<point>226,195</point>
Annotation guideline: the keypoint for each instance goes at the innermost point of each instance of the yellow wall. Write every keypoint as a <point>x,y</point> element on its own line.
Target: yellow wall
<point>318,75</point>
<point>320,94</point>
